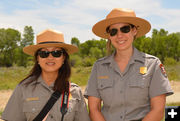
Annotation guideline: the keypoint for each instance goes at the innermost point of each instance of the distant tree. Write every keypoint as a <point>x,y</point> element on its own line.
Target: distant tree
<point>75,41</point>
<point>9,39</point>
<point>28,37</point>
<point>178,34</point>
<point>101,44</point>
<point>95,52</point>
<point>139,43</point>
<point>158,43</point>
<point>85,47</point>
<point>173,46</point>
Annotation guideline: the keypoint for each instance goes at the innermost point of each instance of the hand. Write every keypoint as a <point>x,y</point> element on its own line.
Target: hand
<point>45,117</point>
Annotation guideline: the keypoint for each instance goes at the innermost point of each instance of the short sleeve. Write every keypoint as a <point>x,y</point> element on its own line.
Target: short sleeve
<point>14,110</point>
<point>82,113</point>
<point>159,84</point>
<point>91,89</point>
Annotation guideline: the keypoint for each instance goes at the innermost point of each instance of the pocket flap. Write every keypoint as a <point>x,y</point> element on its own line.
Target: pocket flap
<point>140,81</point>
<point>104,84</point>
<point>31,107</point>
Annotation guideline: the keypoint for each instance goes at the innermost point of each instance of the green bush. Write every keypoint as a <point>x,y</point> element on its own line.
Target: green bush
<point>75,60</point>
<point>88,61</point>
<point>169,61</point>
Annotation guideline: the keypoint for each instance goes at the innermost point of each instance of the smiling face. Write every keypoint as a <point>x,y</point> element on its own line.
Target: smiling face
<point>122,41</point>
<point>50,64</point>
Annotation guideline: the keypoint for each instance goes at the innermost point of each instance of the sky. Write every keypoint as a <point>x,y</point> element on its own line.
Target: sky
<point>75,18</point>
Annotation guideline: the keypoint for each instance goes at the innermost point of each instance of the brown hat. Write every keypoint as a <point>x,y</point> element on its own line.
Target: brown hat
<point>120,15</point>
<point>49,38</point>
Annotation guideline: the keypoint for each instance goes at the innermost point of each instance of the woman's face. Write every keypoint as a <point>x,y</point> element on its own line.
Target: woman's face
<point>123,39</point>
<point>49,63</point>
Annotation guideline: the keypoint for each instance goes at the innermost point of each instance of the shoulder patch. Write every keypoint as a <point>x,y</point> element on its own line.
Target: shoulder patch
<point>163,70</point>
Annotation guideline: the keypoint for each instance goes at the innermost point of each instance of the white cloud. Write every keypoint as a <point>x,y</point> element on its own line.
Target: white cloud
<point>76,17</point>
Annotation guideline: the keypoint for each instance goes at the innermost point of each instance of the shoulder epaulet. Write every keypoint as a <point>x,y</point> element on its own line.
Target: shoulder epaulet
<point>149,56</point>
<point>75,91</point>
<point>74,85</point>
<point>102,58</point>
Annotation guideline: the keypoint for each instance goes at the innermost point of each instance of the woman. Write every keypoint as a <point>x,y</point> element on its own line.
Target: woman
<point>51,72</point>
<point>132,85</point>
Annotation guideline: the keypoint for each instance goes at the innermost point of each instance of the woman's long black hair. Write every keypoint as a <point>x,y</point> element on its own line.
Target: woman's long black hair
<point>62,81</point>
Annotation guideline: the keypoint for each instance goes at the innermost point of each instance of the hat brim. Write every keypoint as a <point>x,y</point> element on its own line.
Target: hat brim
<point>31,49</point>
<point>142,25</point>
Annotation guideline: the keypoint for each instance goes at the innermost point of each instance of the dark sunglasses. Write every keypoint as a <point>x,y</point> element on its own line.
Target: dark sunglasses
<point>45,54</point>
<point>124,29</point>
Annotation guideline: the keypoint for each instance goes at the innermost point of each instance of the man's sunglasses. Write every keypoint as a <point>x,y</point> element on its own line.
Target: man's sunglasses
<point>124,29</point>
<point>45,54</point>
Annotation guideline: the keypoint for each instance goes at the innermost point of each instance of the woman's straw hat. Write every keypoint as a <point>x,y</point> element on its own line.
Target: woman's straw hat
<point>119,15</point>
<point>49,38</point>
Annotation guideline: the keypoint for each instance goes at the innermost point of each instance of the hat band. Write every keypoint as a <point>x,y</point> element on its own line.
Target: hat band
<point>49,42</point>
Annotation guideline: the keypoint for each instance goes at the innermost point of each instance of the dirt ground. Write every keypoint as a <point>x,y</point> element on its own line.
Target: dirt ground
<point>5,94</point>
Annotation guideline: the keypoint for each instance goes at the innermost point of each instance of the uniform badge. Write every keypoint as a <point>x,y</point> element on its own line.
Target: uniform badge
<point>143,70</point>
<point>103,77</point>
<point>32,99</point>
<point>163,70</point>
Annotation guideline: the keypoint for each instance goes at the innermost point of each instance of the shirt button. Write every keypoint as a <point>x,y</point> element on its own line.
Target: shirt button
<point>121,117</point>
<point>51,116</point>
<point>121,91</point>
<point>101,85</point>
<point>33,109</point>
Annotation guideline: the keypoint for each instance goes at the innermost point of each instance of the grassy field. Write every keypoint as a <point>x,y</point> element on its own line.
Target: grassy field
<point>10,77</point>
<point>173,71</point>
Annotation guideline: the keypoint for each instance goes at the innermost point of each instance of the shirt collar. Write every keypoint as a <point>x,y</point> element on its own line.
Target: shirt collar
<point>137,56</point>
<point>41,81</point>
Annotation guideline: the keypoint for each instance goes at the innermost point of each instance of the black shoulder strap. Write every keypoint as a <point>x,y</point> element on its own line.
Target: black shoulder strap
<point>54,97</point>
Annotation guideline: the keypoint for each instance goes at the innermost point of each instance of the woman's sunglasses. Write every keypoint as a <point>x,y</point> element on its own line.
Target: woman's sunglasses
<point>124,29</point>
<point>45,54</point>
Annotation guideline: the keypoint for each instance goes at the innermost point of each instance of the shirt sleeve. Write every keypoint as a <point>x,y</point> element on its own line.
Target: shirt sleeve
<point>82,114</point>
<point>159,84</point>
<point>14,108</point>
<point>91,89</point>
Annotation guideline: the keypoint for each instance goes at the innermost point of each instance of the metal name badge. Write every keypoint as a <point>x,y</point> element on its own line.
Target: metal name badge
<point>143,70</point>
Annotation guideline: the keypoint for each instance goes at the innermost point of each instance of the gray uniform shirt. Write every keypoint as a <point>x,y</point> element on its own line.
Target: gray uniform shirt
<point>26,103</point>
<point>126,96</point>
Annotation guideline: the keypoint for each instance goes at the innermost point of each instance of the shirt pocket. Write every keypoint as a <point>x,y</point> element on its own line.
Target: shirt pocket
<point>105,87</point>
<point>139,88</point>
<point>73,107</point>
<point>31,109</point>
